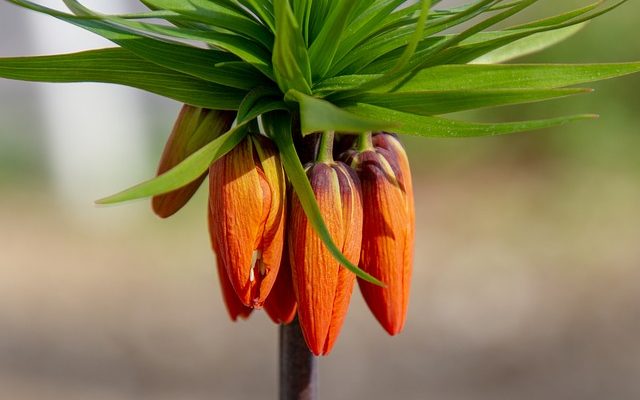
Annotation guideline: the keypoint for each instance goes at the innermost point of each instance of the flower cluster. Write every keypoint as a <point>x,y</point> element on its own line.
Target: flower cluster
<point>268,253</point>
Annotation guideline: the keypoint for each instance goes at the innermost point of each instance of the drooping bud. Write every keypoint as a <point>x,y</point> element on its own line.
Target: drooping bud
<point>323,287</point>
<point>281,305</point>
<point>194,128</point>
<point>389,228</point>
<point>247,201</point>
<point>235,308</point>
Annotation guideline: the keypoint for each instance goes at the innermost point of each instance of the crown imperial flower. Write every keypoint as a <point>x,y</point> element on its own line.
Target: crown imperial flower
<point>388,226</point>
<point>247,201</point>
<point>323,288</point>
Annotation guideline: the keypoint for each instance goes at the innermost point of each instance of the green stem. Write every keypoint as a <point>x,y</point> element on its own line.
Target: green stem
<point>365,142</point>
<point>325,152</point>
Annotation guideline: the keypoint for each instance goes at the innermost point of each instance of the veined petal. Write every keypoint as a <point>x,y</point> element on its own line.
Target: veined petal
<point>396,150</point>
<point>241,200</point>
<point>323,288</point>
<point>234,306</point>
<point>385,239</point>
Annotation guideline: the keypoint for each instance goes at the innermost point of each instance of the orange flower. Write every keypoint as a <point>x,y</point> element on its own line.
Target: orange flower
<point>194,128</point>
<point>234,306</point>
<point>323,287</point>
<point>389,228</point>
<point>247,202</point>
<point>281,305</point>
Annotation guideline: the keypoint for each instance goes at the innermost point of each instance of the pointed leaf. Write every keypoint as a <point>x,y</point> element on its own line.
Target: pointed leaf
<point>185,172</point>
<point>514,76</point>
<point>529,45</point>
<point>121,67</point>
<point>290,58</point>
<point>443,102</point>
<point>412,124</point>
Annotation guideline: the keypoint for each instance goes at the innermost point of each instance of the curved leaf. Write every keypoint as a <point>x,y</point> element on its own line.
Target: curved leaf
<point>185,172</point>
<point>119,66</point>
<point>443,102</point>
<point>411,124</point>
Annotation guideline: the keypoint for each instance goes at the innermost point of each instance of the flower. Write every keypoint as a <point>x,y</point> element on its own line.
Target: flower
<point>247,202</point>
<point>388,228</point>
<point>194,128</point>
<point>323,287</point>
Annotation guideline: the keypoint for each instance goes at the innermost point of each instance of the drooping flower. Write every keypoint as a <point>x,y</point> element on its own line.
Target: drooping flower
<point>323,287</point>
<point>247,202</point>
<point>388,228</point>
<point>194,128</point>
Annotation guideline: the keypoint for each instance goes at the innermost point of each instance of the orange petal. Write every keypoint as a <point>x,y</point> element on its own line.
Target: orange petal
<point>386,237</point>
<point>281,305</point>
<point>234,306</point>
<point>323,288</point>
<point>242,200</point>
<point>194,128</point>
<point>399,156</point>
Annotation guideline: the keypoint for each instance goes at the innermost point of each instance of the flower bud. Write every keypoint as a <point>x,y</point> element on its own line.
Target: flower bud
<point>194,128</point>
<point>247,202</point>
<point>323,287</point>
<point>281,305</point>
<point>389,228</point>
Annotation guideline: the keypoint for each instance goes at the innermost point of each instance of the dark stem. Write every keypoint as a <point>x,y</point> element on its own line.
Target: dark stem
<point>298,367</point>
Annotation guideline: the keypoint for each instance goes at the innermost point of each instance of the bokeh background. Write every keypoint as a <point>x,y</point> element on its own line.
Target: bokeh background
<point>527,271</point>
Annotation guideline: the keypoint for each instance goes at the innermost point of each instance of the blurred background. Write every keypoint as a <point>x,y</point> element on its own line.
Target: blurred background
<point>527,267</point>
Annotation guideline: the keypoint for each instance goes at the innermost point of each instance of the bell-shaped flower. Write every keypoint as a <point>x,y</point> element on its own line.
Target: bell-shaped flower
<point>388,228</point>
<point>247,202</point>
<point>194,128</point>
<point>323,287</point>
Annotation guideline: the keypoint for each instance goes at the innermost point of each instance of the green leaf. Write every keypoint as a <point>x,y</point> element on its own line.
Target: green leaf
<point>278,126</point>
<point>514,76</point>
<point>324,47</point>
<point>290,58</point>
<point>443,102</point>
<point>259,101</point>
<point>220,15</point>
<point>121,67</point>
<point>198,62</point>
<point>318,115</point>
<point>528,45</point>
<point>364,24</point>
<point>263,10</point>
<point>185,172</point>
<point>411,124</point>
